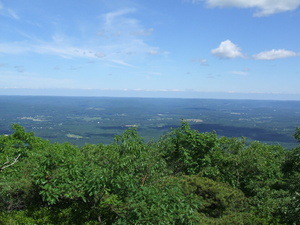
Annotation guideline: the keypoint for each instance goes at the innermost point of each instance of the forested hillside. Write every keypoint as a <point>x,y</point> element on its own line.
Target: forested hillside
<point>185,177</point>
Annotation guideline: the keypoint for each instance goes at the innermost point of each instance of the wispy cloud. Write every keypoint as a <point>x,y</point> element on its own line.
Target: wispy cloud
<point>153,51</point>
<point>227,50</point>
<point>143,32</point>
<point>111,18</point>
<point>4,11</point>
<point>13,48</point>
<point>264,7</point>
<point>49,48</point>
<point>202,62</point>
<point>121,62</point>
<point>193,1</point>
<point>275,54</point>
<point>64,51</point>
<point>240,72</point>
<point>121,39</point>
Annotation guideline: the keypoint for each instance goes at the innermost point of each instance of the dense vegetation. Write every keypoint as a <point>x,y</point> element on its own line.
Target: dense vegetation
<point>186,177</point>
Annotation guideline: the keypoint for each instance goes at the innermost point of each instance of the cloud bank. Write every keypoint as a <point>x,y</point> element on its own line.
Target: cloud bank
<point>264,7</point>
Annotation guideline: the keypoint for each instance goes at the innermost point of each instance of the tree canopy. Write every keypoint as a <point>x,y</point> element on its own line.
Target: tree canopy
<point>186,177</point>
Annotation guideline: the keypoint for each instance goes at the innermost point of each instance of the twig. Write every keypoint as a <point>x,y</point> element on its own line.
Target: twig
<point>144,178</point>
<point>15,160</point>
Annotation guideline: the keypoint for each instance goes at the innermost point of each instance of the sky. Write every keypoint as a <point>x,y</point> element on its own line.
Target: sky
<point>157,48</point>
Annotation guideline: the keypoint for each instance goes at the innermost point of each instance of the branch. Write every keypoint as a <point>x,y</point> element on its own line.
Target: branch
<point>238,175</point>
<point>145,177</point>
<point>15,160</point>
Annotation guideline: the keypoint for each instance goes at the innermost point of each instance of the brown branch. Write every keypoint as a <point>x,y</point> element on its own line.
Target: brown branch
<point>5,166</point>
<point>238,175</point>
<point>144,178</point>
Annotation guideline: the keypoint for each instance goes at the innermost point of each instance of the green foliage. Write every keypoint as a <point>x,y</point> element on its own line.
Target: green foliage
<point>161,203</point>
<point>186,149</point>
<point>60,174</point>
<point>260,166</point>
<point>291,169</point>
<point>293,213</point>
<point>185,178</point>
<point>225,162</point>
<point>16,150</point>
<point>218,198</point>
<point>297,134</point>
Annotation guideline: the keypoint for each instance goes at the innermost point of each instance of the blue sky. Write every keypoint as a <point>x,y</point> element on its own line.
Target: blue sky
<point>173,48</point>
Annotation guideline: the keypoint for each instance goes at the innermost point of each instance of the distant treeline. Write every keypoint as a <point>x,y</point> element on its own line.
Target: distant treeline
<point>186,177</point>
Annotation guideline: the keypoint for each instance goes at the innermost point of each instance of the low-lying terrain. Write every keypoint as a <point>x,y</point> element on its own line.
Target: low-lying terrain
<point>81,120</point>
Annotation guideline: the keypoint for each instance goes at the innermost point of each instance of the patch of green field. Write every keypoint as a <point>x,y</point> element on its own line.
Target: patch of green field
<point>74,136</point>
<point>34,119</point>
<point>85,118</point>
<point>89,119</point>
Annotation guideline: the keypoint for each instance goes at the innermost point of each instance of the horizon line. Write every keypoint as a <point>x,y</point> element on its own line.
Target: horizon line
<point>64,92</point>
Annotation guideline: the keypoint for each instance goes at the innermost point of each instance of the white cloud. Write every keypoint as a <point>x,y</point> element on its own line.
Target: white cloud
<point>264,7</point>
<point>275,54</point>
<point>153,52</point>
<point>227,50</point>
